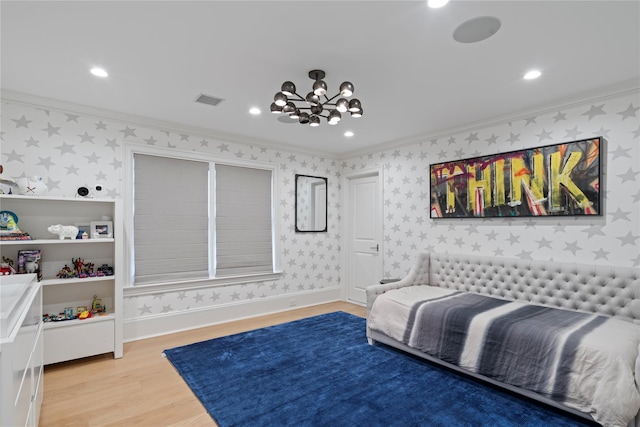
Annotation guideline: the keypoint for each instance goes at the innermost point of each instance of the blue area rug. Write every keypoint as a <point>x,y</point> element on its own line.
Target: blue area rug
<point>320,371</point>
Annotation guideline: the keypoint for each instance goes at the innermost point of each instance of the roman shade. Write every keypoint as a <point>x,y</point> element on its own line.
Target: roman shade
<point>243,220</point>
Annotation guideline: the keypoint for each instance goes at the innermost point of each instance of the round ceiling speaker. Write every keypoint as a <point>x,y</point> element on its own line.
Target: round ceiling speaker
<point>476,29</point>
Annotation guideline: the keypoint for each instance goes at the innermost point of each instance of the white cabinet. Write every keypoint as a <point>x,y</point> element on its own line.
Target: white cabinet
<point>21,350</point>
<point>72,339</point>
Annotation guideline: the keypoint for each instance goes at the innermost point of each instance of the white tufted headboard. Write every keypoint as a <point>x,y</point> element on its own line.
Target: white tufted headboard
<point>611,291</point>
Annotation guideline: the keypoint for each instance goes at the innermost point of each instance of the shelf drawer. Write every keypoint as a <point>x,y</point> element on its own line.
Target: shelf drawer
<point>22,401</point>
<point>38,395</point>
<point>78,340</point>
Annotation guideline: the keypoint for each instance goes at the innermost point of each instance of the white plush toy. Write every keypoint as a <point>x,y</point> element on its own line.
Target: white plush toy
<point>31,186</point>
<point>63,231</point>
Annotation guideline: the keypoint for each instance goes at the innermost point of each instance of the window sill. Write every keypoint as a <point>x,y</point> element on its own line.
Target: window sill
<point>186,285</point>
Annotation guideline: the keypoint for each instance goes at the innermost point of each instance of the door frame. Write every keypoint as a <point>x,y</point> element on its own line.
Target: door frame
<point>346,257</point>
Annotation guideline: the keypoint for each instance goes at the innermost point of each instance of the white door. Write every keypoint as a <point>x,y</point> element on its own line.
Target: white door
<point>364,234</point>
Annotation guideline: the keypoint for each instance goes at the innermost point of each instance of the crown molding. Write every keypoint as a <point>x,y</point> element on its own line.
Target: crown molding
<point>597,95</point>
<point>161,125</point>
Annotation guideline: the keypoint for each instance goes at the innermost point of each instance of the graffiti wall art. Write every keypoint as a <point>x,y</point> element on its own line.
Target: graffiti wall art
<point>554,180</point>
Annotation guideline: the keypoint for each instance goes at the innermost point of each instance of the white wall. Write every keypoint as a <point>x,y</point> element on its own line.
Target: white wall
<point>73,147</point>
<point>612,239</point>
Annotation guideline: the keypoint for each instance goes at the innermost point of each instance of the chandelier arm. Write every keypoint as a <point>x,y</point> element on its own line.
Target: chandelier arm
<point>299,97</point>
<point>309,108</point>
<point>327,109</point>
<point>319,115</point>
<point>332,98</point>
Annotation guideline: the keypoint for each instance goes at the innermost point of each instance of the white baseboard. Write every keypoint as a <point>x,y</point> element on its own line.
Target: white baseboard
<point>168,323</point>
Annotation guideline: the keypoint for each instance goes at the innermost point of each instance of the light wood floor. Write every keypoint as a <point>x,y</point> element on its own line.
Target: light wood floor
<point>143,388</point>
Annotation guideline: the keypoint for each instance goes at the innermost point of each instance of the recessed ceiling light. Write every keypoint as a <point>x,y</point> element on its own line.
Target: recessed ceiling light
<point>348,134</point>
<point>437,3</point>
<point>96,71</point>
<point>255,111</point>
<point>533,74</point>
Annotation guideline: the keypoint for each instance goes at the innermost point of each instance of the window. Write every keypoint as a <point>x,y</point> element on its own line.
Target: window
<point>196,219</point>
<point>243,220</point>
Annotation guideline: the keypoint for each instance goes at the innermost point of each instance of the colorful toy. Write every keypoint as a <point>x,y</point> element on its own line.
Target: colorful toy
<point>6,267</point>
<point>106,270</point>
<point>96,305</point>
<point>70,231</point>
<point>9,227</point>
<point>66,273</point>
<point>81,269</point>
<point>8,221</point>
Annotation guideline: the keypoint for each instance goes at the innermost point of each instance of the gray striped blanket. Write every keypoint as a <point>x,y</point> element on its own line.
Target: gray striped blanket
<point>582,360</point>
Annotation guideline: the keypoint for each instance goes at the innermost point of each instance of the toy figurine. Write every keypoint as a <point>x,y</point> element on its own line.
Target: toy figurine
<point>66,273</point>
<point>6,267</point>
<point>106,270</point>
<point>77,264</point>
<point>96,305</point>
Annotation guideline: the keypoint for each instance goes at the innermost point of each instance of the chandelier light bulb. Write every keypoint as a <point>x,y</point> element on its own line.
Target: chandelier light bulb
<point>320,88</point>
<point>354,105</point>
<point>275,109</point>
<point>346,89</point>
<point>334,117</point>
<point>288,88</point>
<point>312,98</point>
<point>357,113</point>
<point>342,105</point>
<point>314,121</point>
<point>280,99</point>
<point>289,107</point>
<point>304,118</point>
<point>316,109</point>
<point>295,114</point>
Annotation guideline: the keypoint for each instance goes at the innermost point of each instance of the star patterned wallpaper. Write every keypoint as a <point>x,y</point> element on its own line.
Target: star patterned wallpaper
<point>611,239</point>
<point>71,149</point>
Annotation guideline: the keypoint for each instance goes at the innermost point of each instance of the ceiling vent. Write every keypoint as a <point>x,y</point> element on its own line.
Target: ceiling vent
<point>209,100</point>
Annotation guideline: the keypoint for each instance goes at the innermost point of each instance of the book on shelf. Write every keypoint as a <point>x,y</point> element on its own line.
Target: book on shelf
<point>15,236</point>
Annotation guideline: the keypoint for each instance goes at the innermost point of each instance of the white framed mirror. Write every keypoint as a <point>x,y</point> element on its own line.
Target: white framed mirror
<point>311,203</point>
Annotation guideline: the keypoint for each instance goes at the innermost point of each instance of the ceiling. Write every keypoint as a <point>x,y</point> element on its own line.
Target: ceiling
<point>413,79</point>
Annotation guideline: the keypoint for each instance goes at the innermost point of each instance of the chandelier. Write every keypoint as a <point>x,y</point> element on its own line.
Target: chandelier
<point>287,101</point>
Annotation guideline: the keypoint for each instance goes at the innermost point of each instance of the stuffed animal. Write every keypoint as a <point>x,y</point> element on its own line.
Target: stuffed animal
<point>63,231</point>
<point>31,186</point>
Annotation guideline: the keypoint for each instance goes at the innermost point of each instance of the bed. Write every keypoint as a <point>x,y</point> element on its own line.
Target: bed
<point>564,334</point>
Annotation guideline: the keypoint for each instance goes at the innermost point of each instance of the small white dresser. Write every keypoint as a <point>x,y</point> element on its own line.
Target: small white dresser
<point>21,350</point>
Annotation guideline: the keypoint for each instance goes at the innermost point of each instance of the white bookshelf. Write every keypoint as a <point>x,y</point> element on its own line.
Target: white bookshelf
<point>73,339</point>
